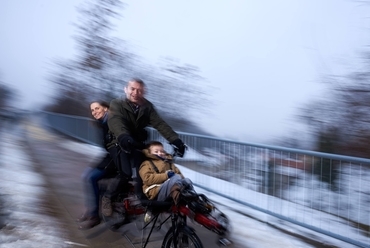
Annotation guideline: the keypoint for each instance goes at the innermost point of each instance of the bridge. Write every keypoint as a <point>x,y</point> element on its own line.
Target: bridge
<point>314,194</point>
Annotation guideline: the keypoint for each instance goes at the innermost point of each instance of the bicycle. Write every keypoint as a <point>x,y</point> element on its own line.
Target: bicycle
<point>196,207</point>
<point>127,206</point>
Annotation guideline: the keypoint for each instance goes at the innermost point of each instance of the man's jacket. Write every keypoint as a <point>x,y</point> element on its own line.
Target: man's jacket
<point>123,120</point>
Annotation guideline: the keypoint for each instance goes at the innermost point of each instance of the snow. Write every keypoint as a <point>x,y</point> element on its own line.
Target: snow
<point>261,223</point>
<point>21,192</point>
<point>249,226</point>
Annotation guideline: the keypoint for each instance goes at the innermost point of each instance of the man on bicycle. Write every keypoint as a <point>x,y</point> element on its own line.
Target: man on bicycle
<point>127,120</point>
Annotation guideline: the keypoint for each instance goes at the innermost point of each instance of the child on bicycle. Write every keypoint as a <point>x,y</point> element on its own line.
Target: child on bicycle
<point>161,178</point>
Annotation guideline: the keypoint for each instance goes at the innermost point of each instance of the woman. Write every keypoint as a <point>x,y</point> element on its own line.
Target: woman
<point>92,175</point>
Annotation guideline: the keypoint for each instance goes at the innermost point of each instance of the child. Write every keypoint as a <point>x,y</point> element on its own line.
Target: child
<point>161,178</point>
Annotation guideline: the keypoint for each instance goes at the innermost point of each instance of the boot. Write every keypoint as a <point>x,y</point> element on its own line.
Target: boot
<point>175,193</point>
<point>106,206</point>
<point>83,217</point>
<point>89,223</point>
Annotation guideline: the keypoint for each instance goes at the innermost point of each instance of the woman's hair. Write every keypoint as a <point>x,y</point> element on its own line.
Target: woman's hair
<point>102,103</point>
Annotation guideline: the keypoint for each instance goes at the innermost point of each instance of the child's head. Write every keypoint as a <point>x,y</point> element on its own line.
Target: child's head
<point>156,148</point>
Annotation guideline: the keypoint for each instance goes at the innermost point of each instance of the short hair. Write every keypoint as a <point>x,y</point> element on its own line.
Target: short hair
<point>154,143</point>
<point>137,80</point>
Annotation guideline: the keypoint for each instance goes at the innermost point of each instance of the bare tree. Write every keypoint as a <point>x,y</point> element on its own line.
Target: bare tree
<point>7,95</point>
<point>101,62</point>
<point>343,114</point>
<point>105,64</point>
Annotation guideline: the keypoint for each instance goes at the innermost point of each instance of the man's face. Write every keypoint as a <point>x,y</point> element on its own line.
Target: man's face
<point>134,92</point>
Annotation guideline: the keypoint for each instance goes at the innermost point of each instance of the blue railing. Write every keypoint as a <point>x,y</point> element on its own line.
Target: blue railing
<point>327,193</point>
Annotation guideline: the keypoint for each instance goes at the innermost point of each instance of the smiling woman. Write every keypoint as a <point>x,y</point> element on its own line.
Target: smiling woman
<point>99,109</point>
<point>91,175</point>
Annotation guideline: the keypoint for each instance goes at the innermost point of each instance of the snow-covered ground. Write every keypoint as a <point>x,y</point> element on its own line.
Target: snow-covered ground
<point>307,200</point>
<point>30,229</point>
<point>235,211</point>
<point>244,229</point>
<point>25,223</point>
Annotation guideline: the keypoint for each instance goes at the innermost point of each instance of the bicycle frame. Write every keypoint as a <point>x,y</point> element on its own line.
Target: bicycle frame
<point>178,215</point>
<point>203,219</point>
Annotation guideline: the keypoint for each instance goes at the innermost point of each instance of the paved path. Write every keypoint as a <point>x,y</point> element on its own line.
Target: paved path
<point>57,164</point>
<point>62,167</point>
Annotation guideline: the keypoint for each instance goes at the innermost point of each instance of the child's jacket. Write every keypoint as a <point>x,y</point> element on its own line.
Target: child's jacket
<point>152,180</point>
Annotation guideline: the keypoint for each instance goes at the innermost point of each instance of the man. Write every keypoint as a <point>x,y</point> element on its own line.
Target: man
<point>127,120</point>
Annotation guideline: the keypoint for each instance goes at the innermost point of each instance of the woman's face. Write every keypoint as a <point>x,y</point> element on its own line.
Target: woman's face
<point>97,110</point>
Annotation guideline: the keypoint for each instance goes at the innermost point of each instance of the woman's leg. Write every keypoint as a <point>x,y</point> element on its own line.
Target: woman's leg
<point>90,178</point>
<point>94,176</point>
<point>88,193</point>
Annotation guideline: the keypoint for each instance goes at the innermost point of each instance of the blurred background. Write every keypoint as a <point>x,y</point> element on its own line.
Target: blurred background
<point>284,73</point>
<point>269,96</point>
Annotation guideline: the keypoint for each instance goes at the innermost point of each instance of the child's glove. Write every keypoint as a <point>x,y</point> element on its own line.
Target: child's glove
<point>170,173</point>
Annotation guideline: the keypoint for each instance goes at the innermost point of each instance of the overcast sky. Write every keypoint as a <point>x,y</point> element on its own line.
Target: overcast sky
<point>264,58</point>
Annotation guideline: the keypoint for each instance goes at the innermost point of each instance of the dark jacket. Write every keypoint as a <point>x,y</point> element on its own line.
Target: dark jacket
<point>105,130</point>
<point>122,120</point>
<point>152,180</point>
<point>107,162</point>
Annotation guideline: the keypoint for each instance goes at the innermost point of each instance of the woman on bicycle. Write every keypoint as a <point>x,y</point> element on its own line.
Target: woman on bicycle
<point>91,175</point>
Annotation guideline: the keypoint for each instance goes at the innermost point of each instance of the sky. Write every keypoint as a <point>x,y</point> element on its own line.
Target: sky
<point>261,60</point>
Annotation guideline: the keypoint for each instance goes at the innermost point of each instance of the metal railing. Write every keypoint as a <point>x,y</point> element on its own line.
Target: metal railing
<point>326,193</point>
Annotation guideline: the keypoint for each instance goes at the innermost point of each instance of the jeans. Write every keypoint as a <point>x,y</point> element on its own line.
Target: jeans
<point>90,178</point>
<point>165,189</point>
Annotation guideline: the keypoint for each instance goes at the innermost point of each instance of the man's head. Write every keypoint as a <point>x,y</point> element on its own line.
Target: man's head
<point>135,90</point>
<point>156,148</point>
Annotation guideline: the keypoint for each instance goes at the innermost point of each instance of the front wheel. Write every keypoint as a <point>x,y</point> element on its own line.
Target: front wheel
<point>186,238</point>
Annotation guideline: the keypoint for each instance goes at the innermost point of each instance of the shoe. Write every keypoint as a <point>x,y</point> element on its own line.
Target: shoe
<point>82,218</point>
<point>89,223</point>
<point>106,206</point>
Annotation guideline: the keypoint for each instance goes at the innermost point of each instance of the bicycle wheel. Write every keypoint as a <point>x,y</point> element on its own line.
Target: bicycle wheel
<point>187,238</point>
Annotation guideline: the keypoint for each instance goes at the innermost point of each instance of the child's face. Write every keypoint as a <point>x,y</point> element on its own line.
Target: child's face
<point>157,150</point>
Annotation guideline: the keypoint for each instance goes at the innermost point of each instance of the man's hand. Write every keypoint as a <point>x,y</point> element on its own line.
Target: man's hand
<point>126,142</point>
<point>179,147</point>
